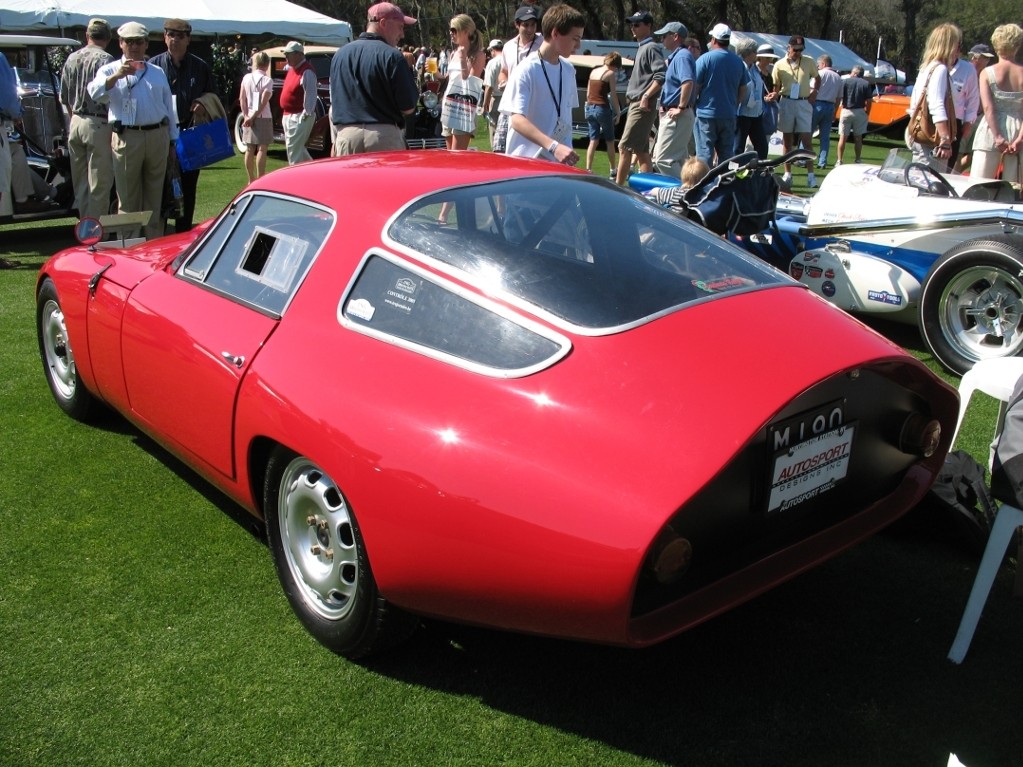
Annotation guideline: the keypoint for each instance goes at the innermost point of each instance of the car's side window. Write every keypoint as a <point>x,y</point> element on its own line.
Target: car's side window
<point>396,303</point>
<point>260,255</point>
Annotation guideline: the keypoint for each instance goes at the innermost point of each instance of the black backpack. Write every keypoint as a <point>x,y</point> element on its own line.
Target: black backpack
<point>958,507</point>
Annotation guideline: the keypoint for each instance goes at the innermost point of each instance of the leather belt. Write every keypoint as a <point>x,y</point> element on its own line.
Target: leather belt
<point>89,114</point>
<point>797,98</point>
<point>153,126</point>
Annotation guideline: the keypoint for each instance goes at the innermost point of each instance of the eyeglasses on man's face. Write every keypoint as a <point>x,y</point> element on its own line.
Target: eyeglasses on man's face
<point>176,33</point>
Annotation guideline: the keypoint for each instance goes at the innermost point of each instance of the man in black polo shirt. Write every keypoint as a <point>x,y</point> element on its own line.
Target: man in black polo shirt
<point>372,87</point>
<point>189,78</point>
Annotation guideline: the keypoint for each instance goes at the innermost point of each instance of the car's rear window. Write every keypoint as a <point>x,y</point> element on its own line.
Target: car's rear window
<point>577,249</point>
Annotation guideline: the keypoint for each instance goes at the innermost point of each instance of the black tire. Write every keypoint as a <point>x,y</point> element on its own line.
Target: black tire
<point>322,563</point>
<point>58,358</point>
<point>971,305</point>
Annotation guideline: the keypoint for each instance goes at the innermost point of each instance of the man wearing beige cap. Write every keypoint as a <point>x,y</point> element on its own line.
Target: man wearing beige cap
<point>492,88</point>
<point>140,110</point>
<point>371,86</point>
<point>92,160</point>
<point>298,103</point>
<point>190,79</point>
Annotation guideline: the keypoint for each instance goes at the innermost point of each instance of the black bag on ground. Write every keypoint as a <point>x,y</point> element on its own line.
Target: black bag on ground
<point>1007,469</point>
<point>958,508</point>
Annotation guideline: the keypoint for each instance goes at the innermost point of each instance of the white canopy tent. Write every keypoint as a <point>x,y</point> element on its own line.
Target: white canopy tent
<point>209,18</point>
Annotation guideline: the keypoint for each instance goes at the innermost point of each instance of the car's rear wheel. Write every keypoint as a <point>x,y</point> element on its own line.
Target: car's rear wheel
<point>971,305</point>
<point>58,357</point>
<point>322,563</point>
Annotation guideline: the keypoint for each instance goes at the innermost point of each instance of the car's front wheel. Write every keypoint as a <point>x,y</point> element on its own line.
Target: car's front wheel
<point>58,357</point>
<point>321,560</point>
<point>971,305</point>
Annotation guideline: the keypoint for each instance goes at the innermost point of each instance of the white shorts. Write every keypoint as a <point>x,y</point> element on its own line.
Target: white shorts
<point>795,115</point>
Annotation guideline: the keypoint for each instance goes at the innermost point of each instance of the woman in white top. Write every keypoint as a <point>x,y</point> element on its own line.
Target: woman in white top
<point>941,52</point>
<point>1000,134</point>
<point>257,125</point>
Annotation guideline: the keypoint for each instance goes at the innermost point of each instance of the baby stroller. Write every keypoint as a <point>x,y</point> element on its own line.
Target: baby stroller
<point>737,197</point>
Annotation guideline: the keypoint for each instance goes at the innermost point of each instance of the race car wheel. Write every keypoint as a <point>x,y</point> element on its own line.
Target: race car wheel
<point>321,560</point>
<point>58,358</point>
<point>971,305</point>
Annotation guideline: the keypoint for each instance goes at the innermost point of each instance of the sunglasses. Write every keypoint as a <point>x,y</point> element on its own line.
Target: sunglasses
<point>176,33</point>
<point>134,40</point>
<point>798,50</point>
<point>635,23</point>
<point>452,30</point>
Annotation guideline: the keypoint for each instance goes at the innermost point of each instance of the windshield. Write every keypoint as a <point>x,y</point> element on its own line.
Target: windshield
<point>577,248</point>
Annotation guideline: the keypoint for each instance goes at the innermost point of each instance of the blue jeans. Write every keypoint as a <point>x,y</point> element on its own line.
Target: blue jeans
<point>823,117</point>
<point>715,134</point>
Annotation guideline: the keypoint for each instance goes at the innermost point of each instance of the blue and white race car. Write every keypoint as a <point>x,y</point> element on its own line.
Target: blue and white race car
<point>943,251</point>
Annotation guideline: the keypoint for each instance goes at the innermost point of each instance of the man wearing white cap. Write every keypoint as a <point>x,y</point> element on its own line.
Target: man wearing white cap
<point>140,110</point>
<point>92,161</point>
<point>721,84</point>
<point>492,87</point>
<point>371,86</point>
<point>298,102</point>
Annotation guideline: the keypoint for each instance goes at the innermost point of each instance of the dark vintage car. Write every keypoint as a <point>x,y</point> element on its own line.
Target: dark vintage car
<point>498,391</point>
<point>319,56</point>
<point>43,133</point>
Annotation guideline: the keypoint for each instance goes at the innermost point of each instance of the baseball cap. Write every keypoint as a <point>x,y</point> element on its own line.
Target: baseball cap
<point>382,11</point>
<point>767,51</point>
<point>982,49</point>
<point>673,28</point>
<point>294,47</point>
<point>527,13</point>
<point>132,30</point>
<point>721,32</point>
<point>496,45</point>
<point>797,40</point>
<point>641,17</point>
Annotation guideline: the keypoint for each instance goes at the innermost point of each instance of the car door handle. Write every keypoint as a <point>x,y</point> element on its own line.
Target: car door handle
<point>232,359</point>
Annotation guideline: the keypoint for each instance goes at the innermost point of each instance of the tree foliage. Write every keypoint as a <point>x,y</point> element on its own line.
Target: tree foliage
<point>901,26</point>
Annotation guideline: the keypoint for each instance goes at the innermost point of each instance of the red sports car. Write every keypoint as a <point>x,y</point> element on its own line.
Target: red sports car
<point>497,391</point>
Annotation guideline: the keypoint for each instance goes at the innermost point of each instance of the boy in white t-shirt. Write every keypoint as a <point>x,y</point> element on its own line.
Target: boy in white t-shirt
<point>541,91</point>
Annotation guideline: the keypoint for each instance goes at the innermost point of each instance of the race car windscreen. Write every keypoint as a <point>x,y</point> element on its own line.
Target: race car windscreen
<point>578,249</point>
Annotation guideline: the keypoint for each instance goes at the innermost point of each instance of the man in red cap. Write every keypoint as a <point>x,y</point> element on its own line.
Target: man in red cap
<point>372,87</point>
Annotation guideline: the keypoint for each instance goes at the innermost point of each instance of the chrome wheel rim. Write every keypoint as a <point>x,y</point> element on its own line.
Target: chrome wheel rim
<point>318,540</point>
<point>60,361</point>
<point>981,312</point>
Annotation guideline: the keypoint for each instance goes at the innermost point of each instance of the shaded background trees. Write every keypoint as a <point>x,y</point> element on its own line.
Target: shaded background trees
<point>901,26</point>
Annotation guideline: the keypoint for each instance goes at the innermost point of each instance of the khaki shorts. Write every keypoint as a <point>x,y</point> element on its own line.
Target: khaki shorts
<point>852,122</point>
<point>638,126</point>
<point>795,116</point>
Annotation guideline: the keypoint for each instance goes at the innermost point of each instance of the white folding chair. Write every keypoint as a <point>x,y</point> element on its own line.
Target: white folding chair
<point>997,378</point>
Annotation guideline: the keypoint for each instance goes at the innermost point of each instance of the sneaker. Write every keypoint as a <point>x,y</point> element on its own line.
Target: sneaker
<point>837,163</point>
<point>786,182</point>
<point>811,181</point>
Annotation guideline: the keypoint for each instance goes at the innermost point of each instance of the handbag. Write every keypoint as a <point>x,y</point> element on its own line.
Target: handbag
<point>922,129</point>
<point>458,112</point>
<point>203,145</point>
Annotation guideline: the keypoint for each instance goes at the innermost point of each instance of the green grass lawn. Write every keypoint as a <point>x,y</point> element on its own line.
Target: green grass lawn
<point>141,623</point>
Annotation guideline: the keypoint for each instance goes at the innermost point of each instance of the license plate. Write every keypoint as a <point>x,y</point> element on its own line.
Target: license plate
<point>809,468</point>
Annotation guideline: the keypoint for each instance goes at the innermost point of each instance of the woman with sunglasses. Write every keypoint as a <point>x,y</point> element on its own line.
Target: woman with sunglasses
<point>468,60</point>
